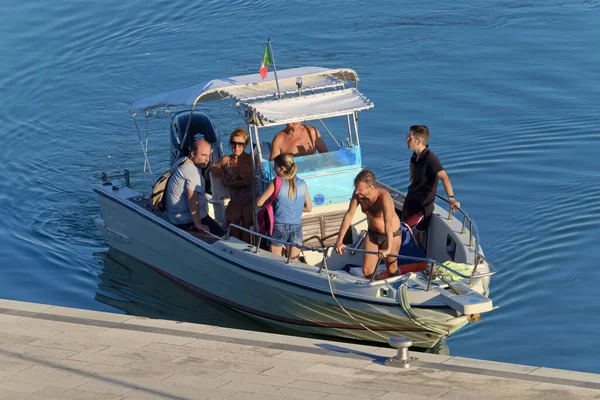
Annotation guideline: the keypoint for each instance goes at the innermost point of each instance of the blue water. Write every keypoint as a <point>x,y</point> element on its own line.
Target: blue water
<point>509,89</point>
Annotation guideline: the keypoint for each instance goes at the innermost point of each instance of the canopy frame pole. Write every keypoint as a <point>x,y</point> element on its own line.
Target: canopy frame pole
<point>144,150</point>
<point>355,119</point>
<point>187,128</point>
<point>255,174</point>
<point>330,134</point>
<point>350,141</point>
<point>258,149</point>
<point>274,68</point>
<point>355,114</point>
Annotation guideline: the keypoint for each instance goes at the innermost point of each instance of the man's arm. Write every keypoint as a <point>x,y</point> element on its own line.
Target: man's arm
<point>275,147</point>
<point>339,246</point>
<point>388,221</point>
<point>192,198</point>
<point>454,205</point>
<point>319,142</point>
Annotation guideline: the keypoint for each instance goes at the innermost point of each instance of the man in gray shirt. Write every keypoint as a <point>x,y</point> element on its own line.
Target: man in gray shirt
<point>185,195</point>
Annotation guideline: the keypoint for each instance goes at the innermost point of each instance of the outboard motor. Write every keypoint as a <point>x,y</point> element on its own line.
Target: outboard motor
<point>201,125</point>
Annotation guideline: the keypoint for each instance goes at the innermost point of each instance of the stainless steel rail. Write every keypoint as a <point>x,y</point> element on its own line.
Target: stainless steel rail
<point>325,250</point>
<point>433,264</point>
<point>466,219</point>
<point>260,236</point>
<point>473,234</point>
<point>124,175</point>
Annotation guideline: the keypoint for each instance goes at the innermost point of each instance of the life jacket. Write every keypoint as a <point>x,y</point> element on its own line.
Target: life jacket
<point>157,198</point>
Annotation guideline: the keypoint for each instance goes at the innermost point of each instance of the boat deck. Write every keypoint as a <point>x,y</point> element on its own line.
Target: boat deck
<point>49,352</point>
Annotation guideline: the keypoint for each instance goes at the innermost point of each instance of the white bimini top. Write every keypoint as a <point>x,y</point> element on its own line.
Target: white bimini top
<point>322,94</point>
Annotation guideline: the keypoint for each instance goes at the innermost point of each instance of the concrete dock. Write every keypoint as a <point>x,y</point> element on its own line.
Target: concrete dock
<point>49,352</point>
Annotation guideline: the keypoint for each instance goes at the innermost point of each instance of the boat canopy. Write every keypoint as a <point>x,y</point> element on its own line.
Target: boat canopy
<point>314,106</point>
<point>248,88</point>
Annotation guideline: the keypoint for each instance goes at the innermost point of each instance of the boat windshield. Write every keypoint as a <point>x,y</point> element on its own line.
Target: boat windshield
<point>329,176</point>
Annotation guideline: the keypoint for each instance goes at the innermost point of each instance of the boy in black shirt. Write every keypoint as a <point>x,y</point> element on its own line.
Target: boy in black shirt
<point>425,170</point>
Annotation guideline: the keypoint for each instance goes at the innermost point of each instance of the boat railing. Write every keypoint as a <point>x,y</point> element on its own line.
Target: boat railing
<point>123,173</point>
<point>473,233</point>
<point>466,218</point>
<point>325,250</point>
<point>432,263</point>
<point>257,238</point>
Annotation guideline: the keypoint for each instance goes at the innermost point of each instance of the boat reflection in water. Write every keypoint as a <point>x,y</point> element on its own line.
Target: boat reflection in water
<point>129,285</point>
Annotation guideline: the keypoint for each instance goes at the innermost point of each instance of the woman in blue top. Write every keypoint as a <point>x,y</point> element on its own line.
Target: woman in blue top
<point>289,204</point>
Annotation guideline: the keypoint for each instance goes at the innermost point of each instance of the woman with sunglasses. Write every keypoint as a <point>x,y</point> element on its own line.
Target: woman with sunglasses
<point>235,172</point>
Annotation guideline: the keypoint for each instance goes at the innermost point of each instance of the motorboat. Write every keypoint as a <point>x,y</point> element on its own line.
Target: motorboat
<point>321,294</point>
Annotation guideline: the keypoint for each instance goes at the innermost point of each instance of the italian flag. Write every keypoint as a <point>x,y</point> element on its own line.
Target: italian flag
<point>266,61</point>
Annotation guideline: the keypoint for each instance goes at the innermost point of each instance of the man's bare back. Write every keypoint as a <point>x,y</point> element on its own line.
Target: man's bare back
<point>298,140</point>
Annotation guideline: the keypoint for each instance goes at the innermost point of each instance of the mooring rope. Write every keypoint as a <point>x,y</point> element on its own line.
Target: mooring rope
<point>341,306</point>
<point>406,307</point>
<point>403,302</point>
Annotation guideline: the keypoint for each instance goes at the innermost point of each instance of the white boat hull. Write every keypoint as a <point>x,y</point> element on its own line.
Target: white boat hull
<point>260,285</point>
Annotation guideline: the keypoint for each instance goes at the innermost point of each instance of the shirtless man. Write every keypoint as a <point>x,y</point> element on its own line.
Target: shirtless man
<point>298,140</point>
<point>384,232</point>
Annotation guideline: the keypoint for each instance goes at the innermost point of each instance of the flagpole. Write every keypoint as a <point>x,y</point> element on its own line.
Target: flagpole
<point>274,68</point>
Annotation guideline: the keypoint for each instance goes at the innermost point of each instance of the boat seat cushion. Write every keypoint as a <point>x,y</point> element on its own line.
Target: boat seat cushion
<point>220,198</point>
<point>321,230</point>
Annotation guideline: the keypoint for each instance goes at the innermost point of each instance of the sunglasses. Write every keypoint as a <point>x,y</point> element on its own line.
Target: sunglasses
<point>235,144</point>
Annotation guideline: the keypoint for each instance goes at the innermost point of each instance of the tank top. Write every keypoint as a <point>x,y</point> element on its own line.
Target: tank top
<point>286,211</point>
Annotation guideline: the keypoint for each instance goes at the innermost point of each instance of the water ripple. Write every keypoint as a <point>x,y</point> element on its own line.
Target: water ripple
<point>509,92</point>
